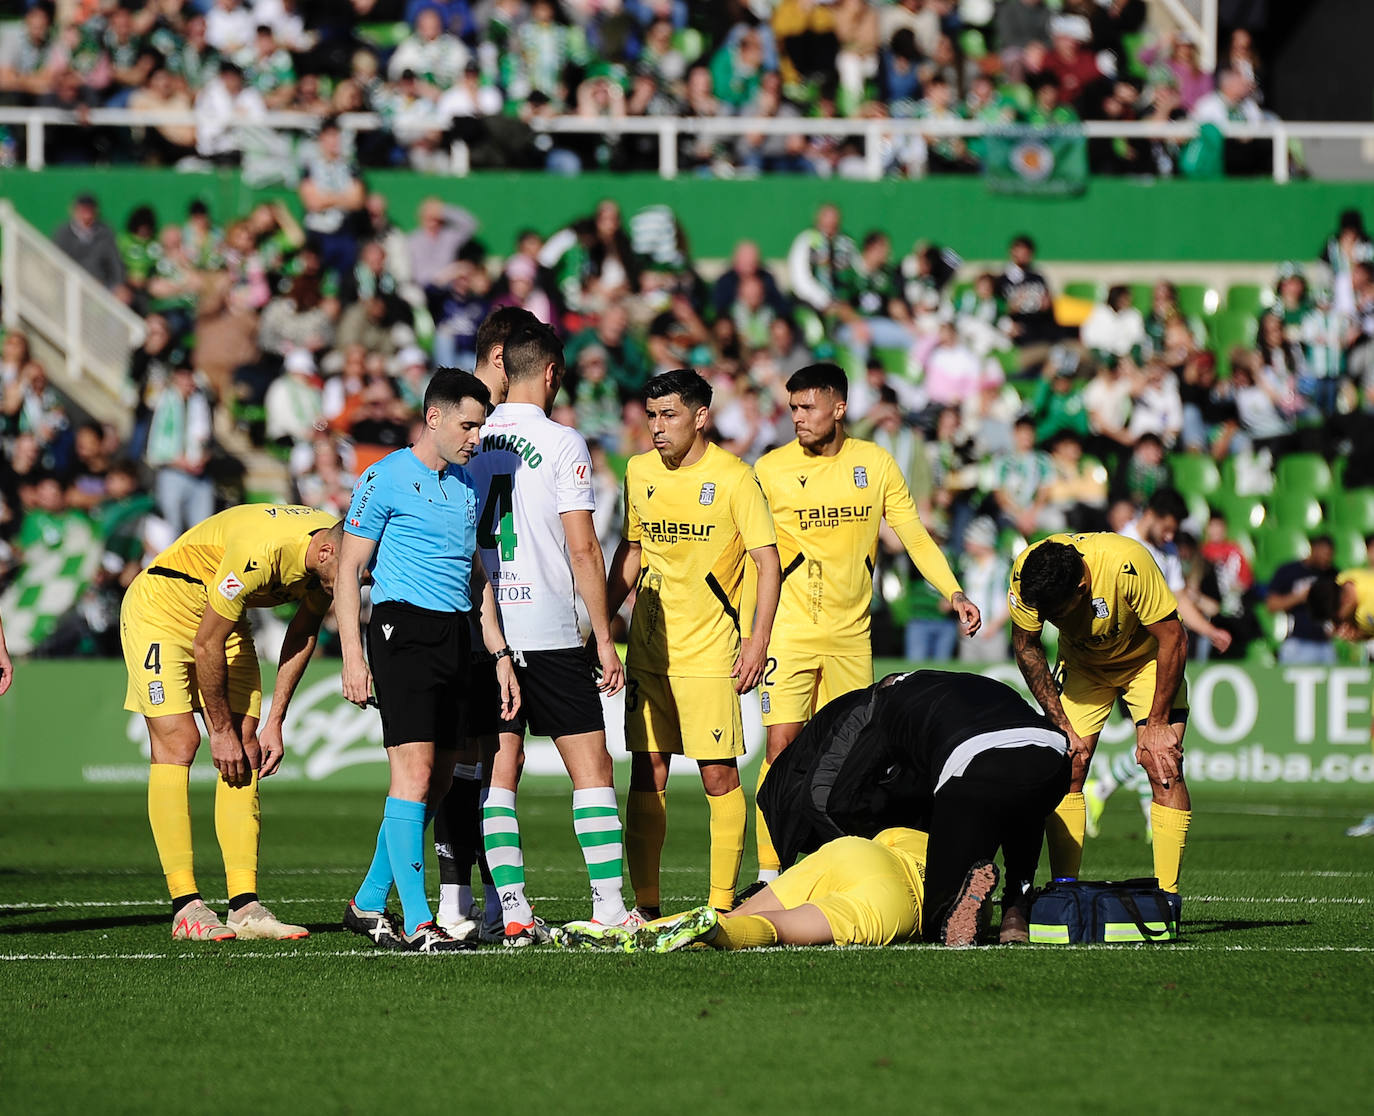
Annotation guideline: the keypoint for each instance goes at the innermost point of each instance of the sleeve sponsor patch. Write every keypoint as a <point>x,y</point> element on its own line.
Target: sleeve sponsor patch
<point>582,476</point>
<point>230,587</point>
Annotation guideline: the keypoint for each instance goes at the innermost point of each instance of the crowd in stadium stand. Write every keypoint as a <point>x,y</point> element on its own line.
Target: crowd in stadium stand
<point>1012,408</point>
<point>443,70</point>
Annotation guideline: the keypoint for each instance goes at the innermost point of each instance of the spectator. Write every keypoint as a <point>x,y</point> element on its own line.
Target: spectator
<point>856,62</point>
<point>1026,293</point>
<point>1058,405</point>
<point>434,245</point>
<point>302,318</point>
<point>137,250</point>
<point>468,97</point>
<point>1265,403</point>
<point>1072,63</point>
<point>1350,245</point>
<point>434,56</point>
<point>91,244</point>
<point>191,60</point>
<point>807,44</point>
<point>626,361</point>
<point>332,194</point>
<point>746,261</point>
<point>369,322</point>
<point>819,261</point>
<point>294,403</point>
<point>1019,23</point>
<point>736,69</point>
<point>1156,407</point>
<point>1324,332</point>
<point>1019,483</point>
<point>1175,59</point>
<point>1232,582</point>
<point>952,370</point>
<point>1114,327</point>
<point>165,143</point>
<point>322,481</point>
<point>269,69</point>
<point>1077,490</point>
<point>1107,400</point>
<point>771,153</point>
<point>179,451</point>
<point>458,308</point>
<point>1143,473</point>
<point>985,570</point>
<point>230,26</point>
<point>678,338</point>
<point>1209,413</point>
<point>1306,642</point>
<point>943,154</point>
<point>27,54</point>
<point>873,311</point>
<point>381,424</point>
<point>174,285</point>
<point>223,106</point>
<point>1234,103</point>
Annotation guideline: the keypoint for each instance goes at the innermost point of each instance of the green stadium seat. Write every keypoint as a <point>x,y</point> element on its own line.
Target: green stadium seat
<point>1230,328</point>
<point>1242,513</point>
<point>1276,545</point>
<point>1273,626</point>
<point>1350,549</point>
<point>1300,511</point>
<point>1194,474</point>
<point>972,44</point>
<point>689,42</point>
<point>1198,300</point>
<point>1086,289</point>
<point>1010,360</point>
<point>1132,44</point>
<point>1143,297</point>
<point>1303,472</point>
<point>894,361</point>
<point>1248,298</point>
<point>1353,510</point>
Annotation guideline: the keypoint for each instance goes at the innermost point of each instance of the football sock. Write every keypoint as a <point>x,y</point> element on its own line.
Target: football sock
<point>596,820</point>
<point>237,825</point>
<point>769,865</point>
<point>729,813</point>
<point>1064,831</point>
<point>376,885</point>
<point>646,823</point>
<point>501,836</point>
<point>404,823</point>
<point>169,815</point>
<point>457,837</point>
<point>1171,835</point>
<point>744,932</point>
<point>238,902</point>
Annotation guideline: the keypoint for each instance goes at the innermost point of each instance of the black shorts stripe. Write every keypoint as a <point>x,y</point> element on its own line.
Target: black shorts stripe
<point>716,588</point>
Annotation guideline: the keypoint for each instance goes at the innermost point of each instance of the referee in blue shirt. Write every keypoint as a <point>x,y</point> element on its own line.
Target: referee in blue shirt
<point>413,523</point>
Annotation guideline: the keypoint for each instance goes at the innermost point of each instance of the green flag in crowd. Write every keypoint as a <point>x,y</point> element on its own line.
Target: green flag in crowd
<point>1036,161</point>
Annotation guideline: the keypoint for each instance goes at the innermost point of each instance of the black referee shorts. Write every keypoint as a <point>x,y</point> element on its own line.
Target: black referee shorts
<point>558,695</point>
<point>418,659</point>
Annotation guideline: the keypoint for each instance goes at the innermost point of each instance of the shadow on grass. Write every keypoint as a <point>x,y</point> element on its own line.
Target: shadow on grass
<point>1230,925</point>
<point>67,925</point>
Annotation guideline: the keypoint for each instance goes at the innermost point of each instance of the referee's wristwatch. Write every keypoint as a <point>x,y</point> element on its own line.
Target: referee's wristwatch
<point>504,653</point>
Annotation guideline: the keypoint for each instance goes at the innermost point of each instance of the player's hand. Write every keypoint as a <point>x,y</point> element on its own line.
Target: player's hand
<point>357,683</point>
<point>749,667</point>
<point>1220,638</point>
<point>1158,752</point>
<point>226,749</point>
<point>272,749</point>
<point>612,670</point>
<point>510,688</point>
<point>970,619</point>
<point>1078,749</point>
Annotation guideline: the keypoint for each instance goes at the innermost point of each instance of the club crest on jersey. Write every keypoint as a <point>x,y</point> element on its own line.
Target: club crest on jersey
<point>472,510</point>
<point>860,477</point>
<point>1100,608</point>
<point>156,694</point>
<point>708,492</point>
<point>766,701</point>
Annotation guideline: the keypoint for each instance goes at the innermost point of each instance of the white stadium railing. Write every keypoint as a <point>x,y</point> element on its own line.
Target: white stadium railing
<point>875,133</point>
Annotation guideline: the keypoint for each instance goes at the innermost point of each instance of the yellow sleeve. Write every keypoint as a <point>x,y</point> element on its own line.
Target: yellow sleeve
<point>1027,619</point>
<point>242,572</point>
<point>1348,577</point>
<point>1147,592</point>
<point>633,530</point>
<point>899,508</point>
<point>750,511</point>
<point>929,558</point>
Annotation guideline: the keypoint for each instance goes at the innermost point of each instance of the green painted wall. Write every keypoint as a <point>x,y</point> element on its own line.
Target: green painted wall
<point>1115,219</point>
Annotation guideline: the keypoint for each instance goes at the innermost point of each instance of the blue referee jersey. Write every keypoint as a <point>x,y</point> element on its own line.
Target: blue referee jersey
<point>425,526</point>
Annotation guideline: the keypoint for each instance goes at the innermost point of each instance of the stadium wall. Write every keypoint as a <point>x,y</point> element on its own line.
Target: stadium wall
<point>1312,729</point>
<point>1114,220</point>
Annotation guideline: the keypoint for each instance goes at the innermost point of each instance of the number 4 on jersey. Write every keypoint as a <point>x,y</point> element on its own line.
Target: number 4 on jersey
<point>497,527</point>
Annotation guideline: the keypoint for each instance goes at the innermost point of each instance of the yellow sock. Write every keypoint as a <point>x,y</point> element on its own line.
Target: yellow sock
<point>237,825</point>
<point>169,815</point>
<point>744,932</point>
<point>729,814</point>
<point>646,823</point>
<point>1064,830</point>
<point>1171,835</point>
<point>768,856</point>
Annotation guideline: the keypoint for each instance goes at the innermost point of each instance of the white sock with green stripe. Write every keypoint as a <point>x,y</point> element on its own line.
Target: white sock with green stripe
<point>596,821</point>
<point>501,838</point>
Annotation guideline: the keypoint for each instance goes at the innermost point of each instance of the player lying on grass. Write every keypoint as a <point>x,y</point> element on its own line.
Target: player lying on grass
<point>959,756</point>
<point>189,648</point>
<point>853,891</point>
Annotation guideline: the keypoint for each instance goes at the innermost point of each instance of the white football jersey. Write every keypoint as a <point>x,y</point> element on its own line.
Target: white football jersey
<point>528,471</point>
<point>1166,557</point>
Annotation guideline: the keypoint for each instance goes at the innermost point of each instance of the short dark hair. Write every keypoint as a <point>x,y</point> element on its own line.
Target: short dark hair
<point>1023,239</point>
<point>1050,576</point>
<point>820,377</point>
<point>450,386</point>
<point>529,350</point>
<point>1324,599</point>
<point>499,325</point>
<point>1322,540</point>
<point>686,383</point>
<point>1167,502</point>
<point>330,124</point>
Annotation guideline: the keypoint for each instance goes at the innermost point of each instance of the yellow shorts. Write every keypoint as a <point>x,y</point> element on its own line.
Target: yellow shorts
<point>694,717</point>
<point>1088,693</point>
<point>797,683</point>
<point>862,889</point>
<point>160,657</point>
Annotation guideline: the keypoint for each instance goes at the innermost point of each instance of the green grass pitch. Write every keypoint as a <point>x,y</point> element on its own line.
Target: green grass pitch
<point>1266,1005</point>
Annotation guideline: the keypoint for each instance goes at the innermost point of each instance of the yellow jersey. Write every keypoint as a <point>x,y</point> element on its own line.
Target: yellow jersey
<point>694,525</point>
<point>827,511</point>
<point>1127,594</point>
<point>252,556</point>
<point>1363,580</point>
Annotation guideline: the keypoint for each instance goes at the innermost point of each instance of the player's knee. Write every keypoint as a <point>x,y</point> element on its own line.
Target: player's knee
<point>719,778</point>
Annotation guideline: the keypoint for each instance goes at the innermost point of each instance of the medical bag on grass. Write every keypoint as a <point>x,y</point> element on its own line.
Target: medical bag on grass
<point>1072,911</point>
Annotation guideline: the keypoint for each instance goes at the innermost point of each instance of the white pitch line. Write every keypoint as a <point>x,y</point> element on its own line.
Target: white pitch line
<point>100,904</point>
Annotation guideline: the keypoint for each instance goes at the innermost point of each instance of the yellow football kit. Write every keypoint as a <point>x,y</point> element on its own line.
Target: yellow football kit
<point>1363,581</point>
<point>695,525</point>
<point>871,892</point>
<point>827,511</point>
<point>247,557</point>
<point>1106,651</point>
